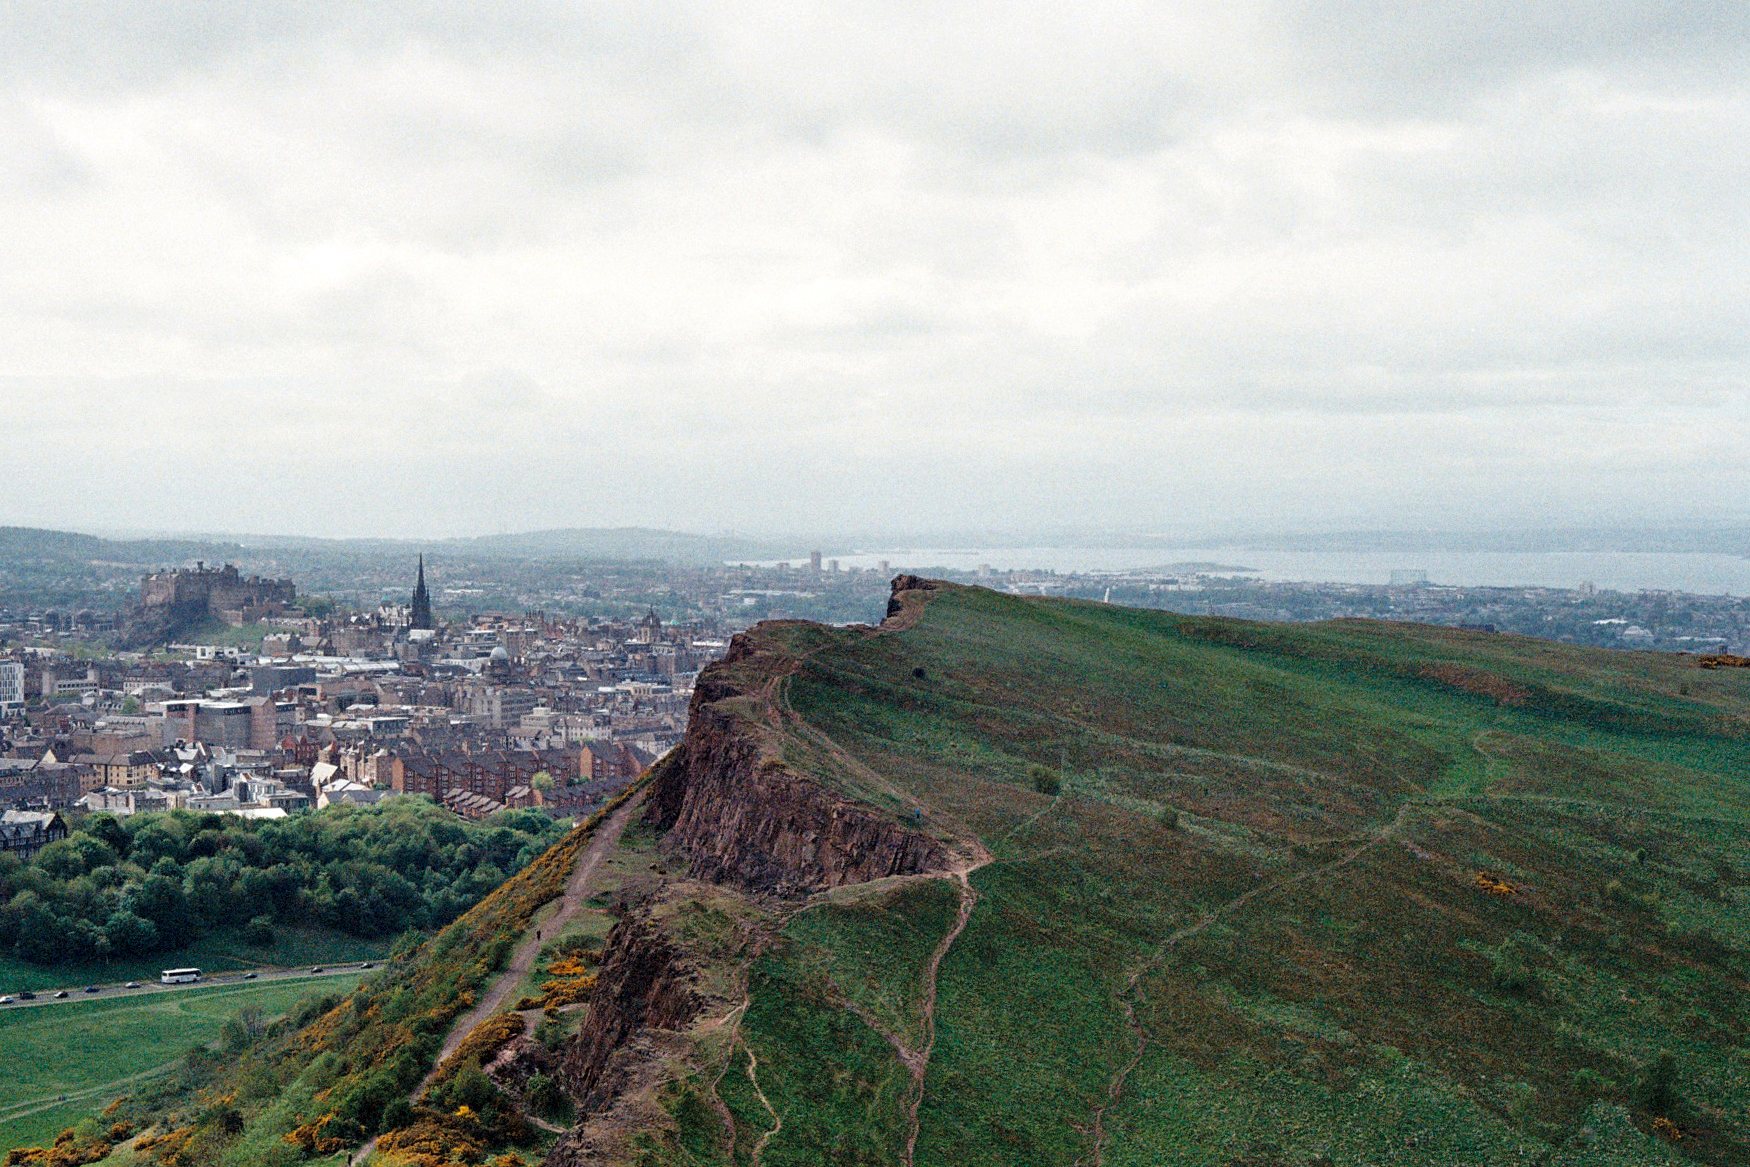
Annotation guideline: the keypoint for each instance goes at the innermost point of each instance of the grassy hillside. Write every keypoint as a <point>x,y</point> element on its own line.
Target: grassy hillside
<point>1343,893</point>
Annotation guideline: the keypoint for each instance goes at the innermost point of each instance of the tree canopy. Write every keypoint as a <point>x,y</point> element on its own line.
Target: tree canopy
<point>154,882</point>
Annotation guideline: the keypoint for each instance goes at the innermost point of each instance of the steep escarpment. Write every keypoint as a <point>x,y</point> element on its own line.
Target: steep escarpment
<point>672,981</point>
<point>645,982</point>
<point>746,817</point>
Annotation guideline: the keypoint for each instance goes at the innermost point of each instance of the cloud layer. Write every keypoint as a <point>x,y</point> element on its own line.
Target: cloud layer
<point>432,269</point>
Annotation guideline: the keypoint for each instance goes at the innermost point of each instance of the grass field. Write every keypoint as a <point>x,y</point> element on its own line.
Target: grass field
<point>94,1050</point>
<point>216,632</point>
<point>1346,892</point>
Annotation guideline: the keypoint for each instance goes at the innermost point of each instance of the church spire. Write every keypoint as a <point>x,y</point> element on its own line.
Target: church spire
<point>420,610</point>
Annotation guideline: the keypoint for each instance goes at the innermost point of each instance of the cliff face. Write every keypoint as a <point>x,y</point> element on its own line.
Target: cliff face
<point>645,982</point>
<point>747,819</point>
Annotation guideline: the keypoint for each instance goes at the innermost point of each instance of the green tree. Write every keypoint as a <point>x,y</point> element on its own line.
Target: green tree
<point>74,856</point>
<point>131,935</point>
<point>159,899</point>
<point>258,933</point>
<point>108,828</point>
<point>244,1029</point>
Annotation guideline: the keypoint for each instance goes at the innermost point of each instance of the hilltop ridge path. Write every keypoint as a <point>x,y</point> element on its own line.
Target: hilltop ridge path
<point>522,958</point>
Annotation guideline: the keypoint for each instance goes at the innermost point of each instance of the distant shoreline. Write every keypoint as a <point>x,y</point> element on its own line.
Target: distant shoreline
<point>1694,572</point>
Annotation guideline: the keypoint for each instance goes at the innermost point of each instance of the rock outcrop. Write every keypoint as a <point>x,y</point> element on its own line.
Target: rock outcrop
<point>743,818</point>
<point>747,819</point>
<point>645,984</point>
<point>909,595</point>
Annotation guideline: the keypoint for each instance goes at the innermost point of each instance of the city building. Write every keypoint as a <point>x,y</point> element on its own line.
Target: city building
<point>419,611</point>
<point>11,688</point>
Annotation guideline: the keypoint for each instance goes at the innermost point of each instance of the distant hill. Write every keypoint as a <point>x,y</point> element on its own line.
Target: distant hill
<point>42,569</point>
<point>30,543</point>
<point>624,543</point>
<point>1034,881</point>
<point>599,543</point>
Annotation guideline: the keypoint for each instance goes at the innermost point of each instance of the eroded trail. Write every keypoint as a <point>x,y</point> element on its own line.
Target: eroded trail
<point>917,1060</point>
<point>522,958</point>
<point>1128,997</point>
<point>571,901</point>
<point>753,1076</point>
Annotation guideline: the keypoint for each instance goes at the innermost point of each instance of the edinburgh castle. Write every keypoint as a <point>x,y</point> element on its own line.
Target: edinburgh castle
<point>219,593</point>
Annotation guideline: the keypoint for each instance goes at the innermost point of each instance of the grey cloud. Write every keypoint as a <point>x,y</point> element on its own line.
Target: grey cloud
<point>1104,263</point>
<point>1381,56</point>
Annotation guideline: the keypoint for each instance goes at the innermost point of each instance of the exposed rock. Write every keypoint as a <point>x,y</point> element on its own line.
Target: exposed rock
<point>645,983</point>
<point>513,1066</point>
<point>899,603</point>
<point>149,627</point>
<point>744,819</point>
<point>749,820</point>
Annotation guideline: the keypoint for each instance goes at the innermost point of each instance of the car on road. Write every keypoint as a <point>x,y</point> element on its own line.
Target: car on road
<point>27,995</point>
<point>60,994</point>
<point>317,968</point>
<point>7,1000</point>
<point>91,988</point>
<point>367,964</point>
<point>131,985</point>
<point>248,976</point>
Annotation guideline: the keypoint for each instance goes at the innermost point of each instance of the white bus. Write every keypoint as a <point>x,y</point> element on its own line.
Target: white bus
<point>179,976</point>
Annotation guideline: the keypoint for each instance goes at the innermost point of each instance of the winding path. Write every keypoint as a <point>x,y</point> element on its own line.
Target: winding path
<point>522,958</point>
<point>918,1061</point>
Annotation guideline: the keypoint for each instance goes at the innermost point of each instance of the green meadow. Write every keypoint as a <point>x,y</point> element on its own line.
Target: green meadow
<point>95,1050</point>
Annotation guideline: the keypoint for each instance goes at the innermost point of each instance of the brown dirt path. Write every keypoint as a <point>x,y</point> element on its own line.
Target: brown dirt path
<point>571,901</point>
<point>753,1076</point>
<point>918,1061</point>
<point>522,958</point>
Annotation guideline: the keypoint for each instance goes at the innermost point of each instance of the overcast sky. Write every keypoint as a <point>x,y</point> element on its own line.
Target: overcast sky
<point>370,269</point>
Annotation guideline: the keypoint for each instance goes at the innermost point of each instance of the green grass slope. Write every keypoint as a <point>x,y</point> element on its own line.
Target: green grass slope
<point>1343,893</point>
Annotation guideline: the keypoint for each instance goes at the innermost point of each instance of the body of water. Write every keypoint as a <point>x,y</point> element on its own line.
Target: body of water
<point>1708,574</point>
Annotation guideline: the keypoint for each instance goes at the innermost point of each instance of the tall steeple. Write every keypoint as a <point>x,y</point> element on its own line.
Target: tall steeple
<point>421,607</point>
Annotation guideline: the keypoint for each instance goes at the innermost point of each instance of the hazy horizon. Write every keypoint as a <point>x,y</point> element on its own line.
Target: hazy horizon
<point>1275,266</point>
<point>1716,539</point>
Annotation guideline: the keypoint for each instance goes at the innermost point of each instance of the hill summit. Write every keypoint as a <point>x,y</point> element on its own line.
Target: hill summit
<point>1010,880</point>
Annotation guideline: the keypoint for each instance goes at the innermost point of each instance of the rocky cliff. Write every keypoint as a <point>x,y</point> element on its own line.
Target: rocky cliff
<point>644,982</point>
<point>748,819</point>
<point>740,817</point>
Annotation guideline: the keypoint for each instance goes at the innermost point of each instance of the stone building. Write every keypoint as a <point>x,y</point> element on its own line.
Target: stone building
<point>220,591</point>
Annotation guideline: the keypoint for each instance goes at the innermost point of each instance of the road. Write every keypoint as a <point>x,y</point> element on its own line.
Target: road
<point>77,993</point>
